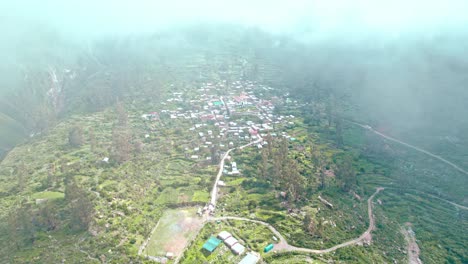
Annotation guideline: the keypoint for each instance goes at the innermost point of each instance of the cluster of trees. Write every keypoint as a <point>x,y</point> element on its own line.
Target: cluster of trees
<point>345,174</point>
<point>124,146</point>
<point>26,219</point>
<point>287,173</point>
<point>277,167</point>
<point>75,136</point>
<point>80,206</point>
<point>314,227</point>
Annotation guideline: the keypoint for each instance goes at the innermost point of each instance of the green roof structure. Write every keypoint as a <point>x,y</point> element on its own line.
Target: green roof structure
<point>211,244</point>
<point>268,248</point>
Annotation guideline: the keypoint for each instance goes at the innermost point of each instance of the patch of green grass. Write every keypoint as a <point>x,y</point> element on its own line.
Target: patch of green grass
<point>48,195</point>
<point>235,182</point>
<point>200,196</point>
<point>169,195</point>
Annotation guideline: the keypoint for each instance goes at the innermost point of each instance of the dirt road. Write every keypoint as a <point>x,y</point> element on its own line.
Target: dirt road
<point>284,246</point>
<point>214,191</point>
<point>411,146</point>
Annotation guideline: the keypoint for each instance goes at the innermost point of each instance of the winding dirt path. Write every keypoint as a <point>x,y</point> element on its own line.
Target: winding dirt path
<point>458,206</point>
<point>284,246</point>
<point>411,146</point>
<point>411,245</point>
<point>214,191</point>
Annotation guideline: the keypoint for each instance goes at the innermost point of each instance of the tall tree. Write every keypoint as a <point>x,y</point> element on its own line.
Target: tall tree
<point>339,131</point>
<point>81,207</point>
<point>293,179</point>
<point>122,115</point>
<point>92,139</point>
<point>47,217</point>
<point>75,136</point>
<point>214,153</point>
<point>264,164</point>
<point>21,228</point>
<point>346,174</point>
<point>122,147</point>
<point>22,176</point>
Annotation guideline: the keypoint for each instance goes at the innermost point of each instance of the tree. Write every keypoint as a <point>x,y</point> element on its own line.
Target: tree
<point>293,179</point>
<point>21,228</point>
<point>122,115</point>
<point>345,174</point>
<point>47,217</point>
<point>92,139</point>
<point>122,147</point>
<point>264,164</point>
<point>21,173</point>
<point>50,180</point>
<point>306,221</point>
<point>339,131</point>
<point>277,170</point>
<point>75,136</point>
<point>138,146</point>
<point>215,152</point>
<point>329,109</point>
<point>322,177</point>
<point>81,208</point>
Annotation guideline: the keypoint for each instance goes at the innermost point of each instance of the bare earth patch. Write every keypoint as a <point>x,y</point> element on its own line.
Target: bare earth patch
<point>412,246</point>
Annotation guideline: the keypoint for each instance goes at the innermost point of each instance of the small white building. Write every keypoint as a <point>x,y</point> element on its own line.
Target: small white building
<point>170,255</point>
<point>250,258</point>
<point>230,241</point>
<point>238,249</point>
<point>223,235</point>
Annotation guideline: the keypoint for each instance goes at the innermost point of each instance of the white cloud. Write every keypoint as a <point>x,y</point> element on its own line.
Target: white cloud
<point>326,17</point>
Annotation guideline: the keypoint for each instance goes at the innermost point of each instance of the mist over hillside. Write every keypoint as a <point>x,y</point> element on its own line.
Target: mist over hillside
<point>409,84</point>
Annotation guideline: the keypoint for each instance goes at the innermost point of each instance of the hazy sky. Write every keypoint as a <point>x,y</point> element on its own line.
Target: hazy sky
<point>323,17</point>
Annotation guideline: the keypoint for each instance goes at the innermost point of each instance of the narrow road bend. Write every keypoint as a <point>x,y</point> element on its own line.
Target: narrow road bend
<point>283,244</point>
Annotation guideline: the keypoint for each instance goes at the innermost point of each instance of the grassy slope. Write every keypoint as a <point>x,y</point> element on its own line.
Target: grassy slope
<point>409,177</point>
<point>130,197</point>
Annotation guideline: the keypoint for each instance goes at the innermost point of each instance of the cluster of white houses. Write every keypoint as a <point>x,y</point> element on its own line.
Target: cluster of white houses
<point>231,242</point>
<point>215,117</point>
<point>237,248</point>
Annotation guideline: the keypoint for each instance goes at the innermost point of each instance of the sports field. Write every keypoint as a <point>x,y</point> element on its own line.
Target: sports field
<point>174,230</point>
